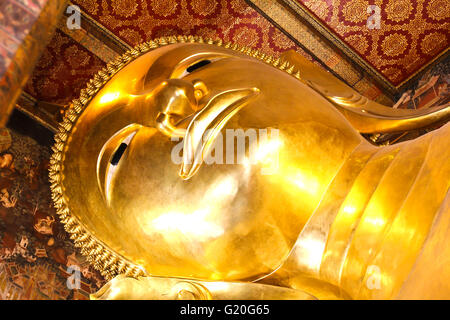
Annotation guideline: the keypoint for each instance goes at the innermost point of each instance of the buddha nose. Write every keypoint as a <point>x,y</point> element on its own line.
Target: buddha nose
<point>176,100</point>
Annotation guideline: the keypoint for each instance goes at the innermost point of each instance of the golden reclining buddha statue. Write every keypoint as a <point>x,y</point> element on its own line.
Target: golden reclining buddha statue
<point>319,212</point>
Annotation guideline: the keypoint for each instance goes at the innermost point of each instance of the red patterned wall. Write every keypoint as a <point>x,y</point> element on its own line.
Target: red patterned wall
<point>63,70</point>
<point>411,33</point>
<point>135,21</point>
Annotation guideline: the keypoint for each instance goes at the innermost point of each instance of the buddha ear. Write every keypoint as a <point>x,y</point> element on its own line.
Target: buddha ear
<point>365,115</point>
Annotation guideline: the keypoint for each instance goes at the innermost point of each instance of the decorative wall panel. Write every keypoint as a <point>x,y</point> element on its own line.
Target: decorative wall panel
<point>406,35</point>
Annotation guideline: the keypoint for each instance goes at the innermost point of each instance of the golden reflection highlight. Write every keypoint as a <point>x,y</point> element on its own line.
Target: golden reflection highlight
<point>109,97</point>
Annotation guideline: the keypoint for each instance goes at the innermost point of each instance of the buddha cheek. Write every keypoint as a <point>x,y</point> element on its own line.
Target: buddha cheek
<point>200,221</point>
<point>140,182</point>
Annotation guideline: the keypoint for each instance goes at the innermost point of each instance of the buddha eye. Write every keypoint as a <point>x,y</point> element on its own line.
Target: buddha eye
<point>114,162</point>
<point>198,65</point>
<point>185,71</point>
<point>118,154</point>
<point>121,150</point>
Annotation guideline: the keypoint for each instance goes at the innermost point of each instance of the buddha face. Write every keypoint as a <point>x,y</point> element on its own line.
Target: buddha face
<point>135,175</point>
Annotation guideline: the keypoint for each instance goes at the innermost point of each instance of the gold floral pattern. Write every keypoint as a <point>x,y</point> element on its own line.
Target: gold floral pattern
<point>438,10</point>
<point>204,8</point>
<point>124,8</point>
<point>278,40</point>
<point>164,8</point>
<point>130,35</point>
<point>394,44</point>
<point>238,8</point>
<point>398,10</point>
<point>393,72</point>
<point>249,34</point>
<point>432,42</point>
<point>355,11</point>
<point>359,42</point>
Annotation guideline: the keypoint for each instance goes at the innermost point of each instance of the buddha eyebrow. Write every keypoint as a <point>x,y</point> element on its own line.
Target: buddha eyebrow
<point>198,65</point>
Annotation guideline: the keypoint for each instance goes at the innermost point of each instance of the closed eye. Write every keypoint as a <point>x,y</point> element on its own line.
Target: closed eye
<point>121,149</point>
<point>198,65</point>
<point>114,162</point>
<point>118,154</point>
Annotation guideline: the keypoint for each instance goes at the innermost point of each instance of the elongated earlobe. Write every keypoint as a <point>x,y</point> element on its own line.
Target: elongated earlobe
<point>365,115</point>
